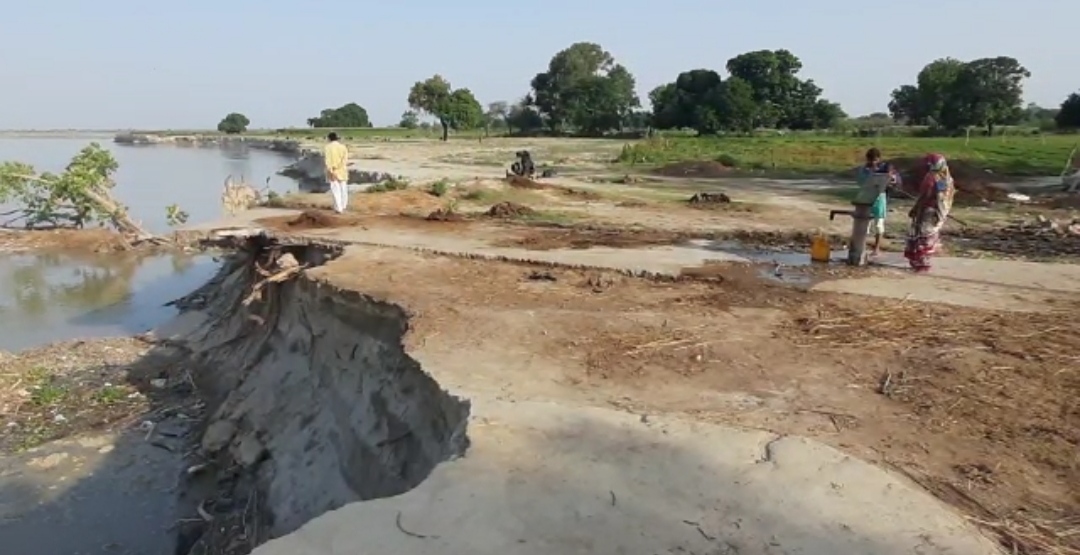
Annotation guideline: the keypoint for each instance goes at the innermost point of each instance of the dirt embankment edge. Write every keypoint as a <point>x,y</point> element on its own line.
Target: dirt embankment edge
<point>313,402</point>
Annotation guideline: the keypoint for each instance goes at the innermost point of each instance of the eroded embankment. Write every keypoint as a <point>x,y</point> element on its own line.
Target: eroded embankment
<point>313,401</point>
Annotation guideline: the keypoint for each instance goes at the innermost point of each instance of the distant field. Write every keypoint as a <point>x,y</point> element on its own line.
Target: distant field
<point>1029,155</point>
<point>346,133</point>
<point>1018,155</point>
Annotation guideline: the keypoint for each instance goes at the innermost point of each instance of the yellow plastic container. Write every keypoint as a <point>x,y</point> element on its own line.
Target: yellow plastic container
<point>820,251</point>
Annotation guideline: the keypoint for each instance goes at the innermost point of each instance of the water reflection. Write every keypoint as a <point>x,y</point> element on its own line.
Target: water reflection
<point>46,297</point>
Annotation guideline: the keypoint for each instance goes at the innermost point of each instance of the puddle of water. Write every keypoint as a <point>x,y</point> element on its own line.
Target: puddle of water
<point>778,256</point>
<point>785,276</point>
<point>47,297</point>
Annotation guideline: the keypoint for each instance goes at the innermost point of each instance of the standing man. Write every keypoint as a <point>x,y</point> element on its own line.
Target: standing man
<point>336,158</point>
<point>874,164</point>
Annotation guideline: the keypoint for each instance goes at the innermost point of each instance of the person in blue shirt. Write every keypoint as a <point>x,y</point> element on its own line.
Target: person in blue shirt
<point>874,164</point>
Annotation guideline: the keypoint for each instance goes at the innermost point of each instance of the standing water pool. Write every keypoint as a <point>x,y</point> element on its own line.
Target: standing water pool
<point>48,296</point>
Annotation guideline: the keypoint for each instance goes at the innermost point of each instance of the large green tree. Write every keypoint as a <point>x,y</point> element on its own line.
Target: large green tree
<point>701,100</point>
<point>922,103</point>
<point>762,91</point>
<point>454,108</point>
<point>952,94</point>
<point>496,115</point>
<point>233,123</point>
<point>349,115</point>
<point>583,88</point>
<point>1068,117</point>
<point>409,120</point>
<point>523,117</point>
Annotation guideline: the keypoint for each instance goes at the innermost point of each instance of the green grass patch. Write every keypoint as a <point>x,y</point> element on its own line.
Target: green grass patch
<point>111,395</point>
<point>549,217</point>
<point>482,195</point>
<point>45,390</point>
<point>388,185</point>
<point>1022,155</point>
<point>439,188</point>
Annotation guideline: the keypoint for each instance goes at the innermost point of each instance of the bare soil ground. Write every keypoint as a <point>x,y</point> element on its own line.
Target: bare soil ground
<point>978,406</point>
<point>84,240</point>
<point>982,407</point>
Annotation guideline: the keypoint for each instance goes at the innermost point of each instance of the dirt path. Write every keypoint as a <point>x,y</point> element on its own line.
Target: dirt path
<point>968,413</point>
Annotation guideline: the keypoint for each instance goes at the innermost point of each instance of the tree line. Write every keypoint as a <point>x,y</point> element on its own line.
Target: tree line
<point>585,91</point>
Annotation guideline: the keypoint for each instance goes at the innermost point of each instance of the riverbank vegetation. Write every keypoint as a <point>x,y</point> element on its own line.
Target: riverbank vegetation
<point>77,198</point>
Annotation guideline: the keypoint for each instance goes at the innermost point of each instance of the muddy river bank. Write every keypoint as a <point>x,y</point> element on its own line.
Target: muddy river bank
<point>233,420</point>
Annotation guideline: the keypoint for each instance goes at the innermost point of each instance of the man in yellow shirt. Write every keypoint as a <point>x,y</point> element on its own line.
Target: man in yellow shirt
<point>336,157</point>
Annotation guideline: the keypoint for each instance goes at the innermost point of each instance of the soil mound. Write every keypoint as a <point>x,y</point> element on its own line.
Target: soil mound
<point>1064,201</point>
<point>524,182</point>
<point>509,210</point>
<point>581,194</point>
<point>694,169</point>
<point>1038,239</point>
<point>317,219</point>
<point>445,215</point>
<point>709,199</point>
<point>973,184</point>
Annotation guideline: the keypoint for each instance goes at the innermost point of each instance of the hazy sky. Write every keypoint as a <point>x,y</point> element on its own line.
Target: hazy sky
<point>122,63</point>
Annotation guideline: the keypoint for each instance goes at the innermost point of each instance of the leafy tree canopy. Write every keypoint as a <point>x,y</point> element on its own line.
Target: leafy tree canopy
<point>952,94</point>
<point>523,117</point>
<point>1068,117</point>
<point>233,123</point>
<point>409,120</point>
<point>762,91</point>
<point>349,115</point>
<point>585,89</point>
<point>496,114</point>
<point>454,108</point>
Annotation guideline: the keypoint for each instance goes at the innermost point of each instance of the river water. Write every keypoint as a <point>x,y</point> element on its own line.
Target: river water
<point>46,297</point>
<point>150,178</point>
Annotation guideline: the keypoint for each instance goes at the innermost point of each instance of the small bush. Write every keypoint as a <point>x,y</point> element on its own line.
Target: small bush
<point>439,188</point>
<point>728,160</point>
<point>395,184</point>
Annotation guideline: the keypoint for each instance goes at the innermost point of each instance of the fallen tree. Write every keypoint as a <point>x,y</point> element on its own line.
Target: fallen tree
<point>80,195</point>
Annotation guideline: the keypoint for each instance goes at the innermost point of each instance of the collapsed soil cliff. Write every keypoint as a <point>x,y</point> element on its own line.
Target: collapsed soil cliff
<point>313,401</point>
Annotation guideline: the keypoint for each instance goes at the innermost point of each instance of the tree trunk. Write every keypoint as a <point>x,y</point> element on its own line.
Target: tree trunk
<point>118,215</point>
<point>445,130</point>
<point>989,129</point>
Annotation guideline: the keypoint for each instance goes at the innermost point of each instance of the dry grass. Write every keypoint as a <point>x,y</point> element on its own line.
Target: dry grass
<point>65,388</point>
<point>1005,381</point>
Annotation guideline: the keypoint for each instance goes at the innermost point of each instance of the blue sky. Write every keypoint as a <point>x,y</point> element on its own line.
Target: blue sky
<point>121,63</point>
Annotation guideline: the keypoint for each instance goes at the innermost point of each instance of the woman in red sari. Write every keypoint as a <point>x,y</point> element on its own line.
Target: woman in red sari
<point>930,212</point>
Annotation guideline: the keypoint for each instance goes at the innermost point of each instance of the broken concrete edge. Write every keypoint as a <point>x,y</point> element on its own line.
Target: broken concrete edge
<point>312,399</point>
<point>222,237</point>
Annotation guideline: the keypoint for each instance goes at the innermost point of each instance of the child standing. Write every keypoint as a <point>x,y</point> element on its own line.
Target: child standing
<point>875,165</point>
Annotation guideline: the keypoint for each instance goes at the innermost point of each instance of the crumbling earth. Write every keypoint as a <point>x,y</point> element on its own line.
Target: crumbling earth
<point>509,209</point>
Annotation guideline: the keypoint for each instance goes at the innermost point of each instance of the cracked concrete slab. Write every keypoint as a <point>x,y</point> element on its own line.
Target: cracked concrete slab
<point>978,283</point>
<point>546,478</point>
